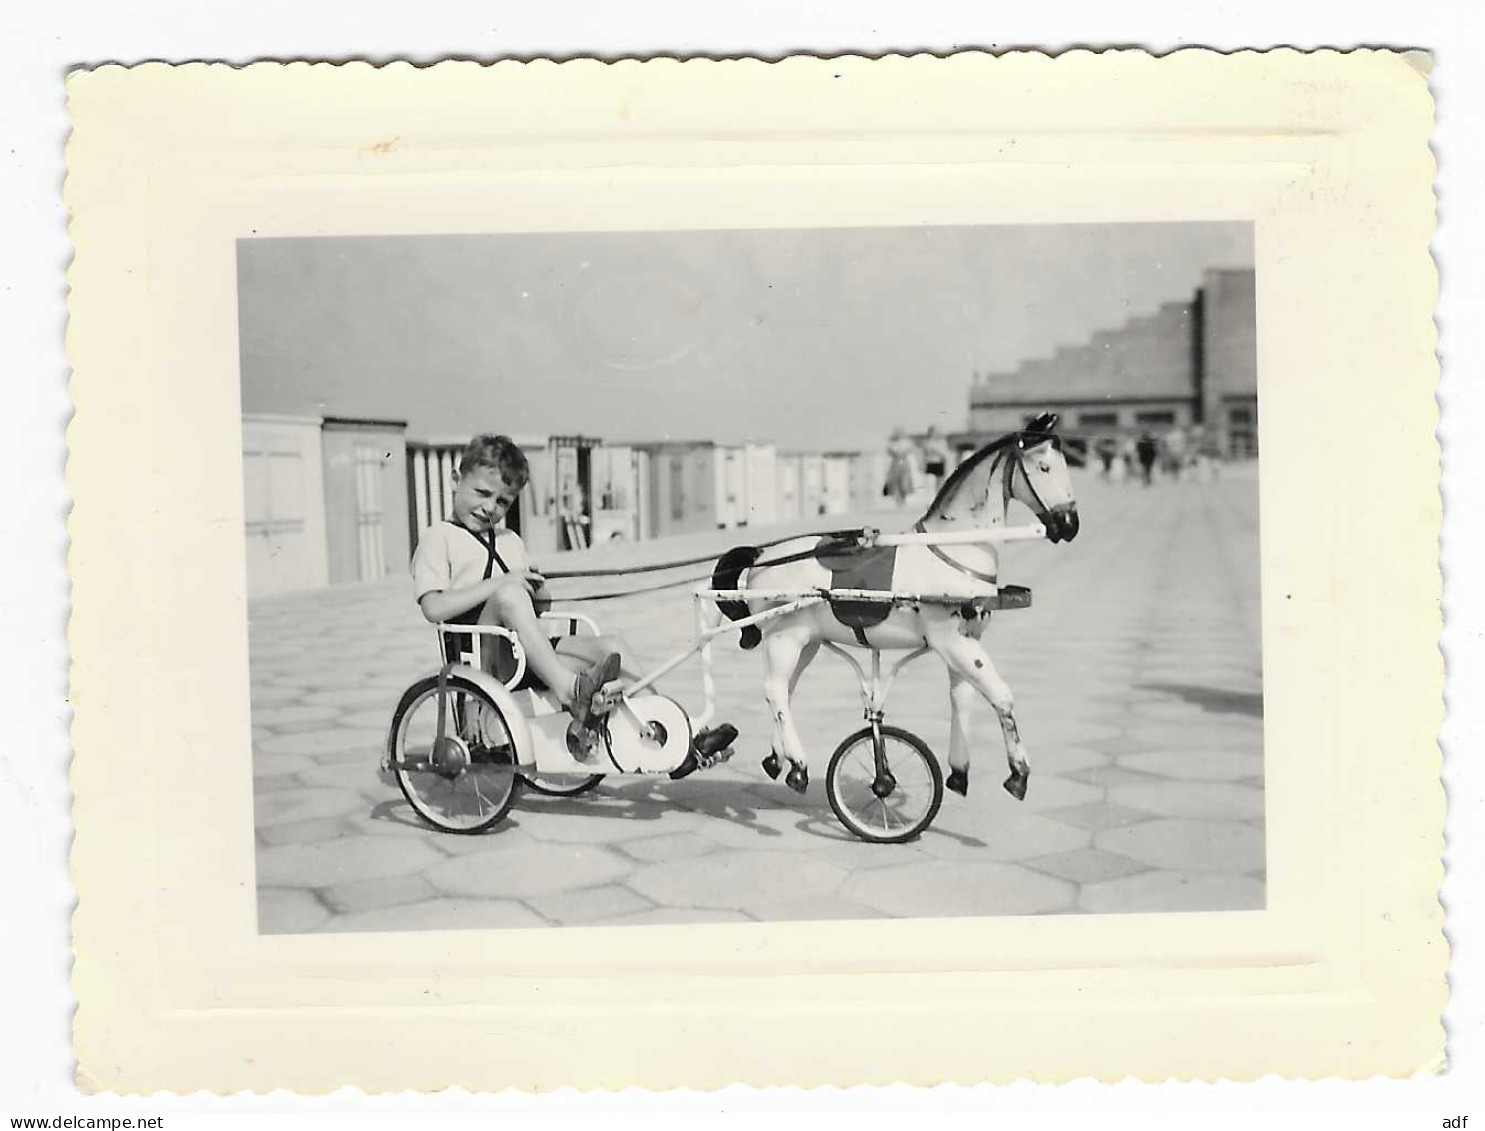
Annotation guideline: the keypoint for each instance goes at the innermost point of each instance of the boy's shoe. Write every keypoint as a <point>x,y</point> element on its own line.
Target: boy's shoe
<point>585,730</point>
<point>708,747</point>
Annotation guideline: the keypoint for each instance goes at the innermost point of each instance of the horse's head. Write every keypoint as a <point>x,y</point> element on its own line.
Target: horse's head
<point>1026,465</point>
<point>1037,475</point>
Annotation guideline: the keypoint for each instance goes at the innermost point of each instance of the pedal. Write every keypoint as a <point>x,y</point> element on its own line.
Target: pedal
<point>707,761</point>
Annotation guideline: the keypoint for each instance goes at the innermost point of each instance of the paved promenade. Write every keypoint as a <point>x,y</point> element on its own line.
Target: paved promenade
<point>1138,686</point>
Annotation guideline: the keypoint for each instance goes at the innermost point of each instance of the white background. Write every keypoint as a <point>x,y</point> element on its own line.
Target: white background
<point>41,41</point>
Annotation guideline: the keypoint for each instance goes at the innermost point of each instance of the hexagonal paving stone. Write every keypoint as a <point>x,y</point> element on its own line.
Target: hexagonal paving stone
<point>526,871</point>
<point>758,829</point>
<point>1169,709</point>
<point>589,905</point>
<point>367,895</point>
<point>736,881</point>
<point>1047,791</point>
<point>268,694</point>
<point>1096,815</point>
<point>1212,800</point>
<point>818,910</point>
<point>286,807</point>
<point>1118,746</point>
<point>323,863</point>
<point>1197,765</point>
<point>852,855</point>
<point>1107,777</point>
<point>1061,761</point>
<point>675,916</point>
<point>438,915</point>
<point>304,832</point>
<point>1086,865</point>
<point>277,783</point>
<point>317,743</point>
<point>361,777</point>
<point>501,837</point>
<point>329,678</point>
<point>595,826</point>
<point>1065,731</point>
<point>371,717</point>
<point>1210,735</point>
<point>668,846</point>
<point>944,888</point>
<point>1008,832</point>
<point>295,713</point>
<point>352,698</point>
<point>1197,846</point>
<point>289,911</point>
<point>1174,891</point>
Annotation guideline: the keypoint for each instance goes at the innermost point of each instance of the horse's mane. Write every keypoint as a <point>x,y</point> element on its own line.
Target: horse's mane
<point>956,479</point>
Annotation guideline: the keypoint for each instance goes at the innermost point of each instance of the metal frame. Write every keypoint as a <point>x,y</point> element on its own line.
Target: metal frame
<point>709,625</point>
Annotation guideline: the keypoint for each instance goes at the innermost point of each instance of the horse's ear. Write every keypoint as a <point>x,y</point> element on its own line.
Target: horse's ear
<point>1043,424</point>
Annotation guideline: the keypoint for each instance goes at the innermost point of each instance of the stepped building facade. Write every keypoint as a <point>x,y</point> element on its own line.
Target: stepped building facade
<point>1191,363</point>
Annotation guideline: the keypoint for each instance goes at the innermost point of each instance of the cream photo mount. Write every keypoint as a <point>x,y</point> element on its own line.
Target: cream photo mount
<point>1326,154</point>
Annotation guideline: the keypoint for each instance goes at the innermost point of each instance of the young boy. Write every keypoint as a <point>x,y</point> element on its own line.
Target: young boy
<point>470,570</point>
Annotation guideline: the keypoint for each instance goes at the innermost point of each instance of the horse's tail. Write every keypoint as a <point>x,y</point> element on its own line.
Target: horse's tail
<point>726,575</point>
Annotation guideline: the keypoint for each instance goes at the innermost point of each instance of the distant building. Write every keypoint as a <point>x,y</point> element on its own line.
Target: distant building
<point>1190,363</point>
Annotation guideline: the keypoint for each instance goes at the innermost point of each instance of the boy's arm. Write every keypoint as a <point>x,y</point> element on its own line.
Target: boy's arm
<point>439,602</point>
<point>443,604</point>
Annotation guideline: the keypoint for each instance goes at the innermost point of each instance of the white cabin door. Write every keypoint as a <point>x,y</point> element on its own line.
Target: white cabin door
<point>283,506</point>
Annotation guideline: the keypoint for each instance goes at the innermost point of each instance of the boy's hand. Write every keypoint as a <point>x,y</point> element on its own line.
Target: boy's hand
<point>527,579</point>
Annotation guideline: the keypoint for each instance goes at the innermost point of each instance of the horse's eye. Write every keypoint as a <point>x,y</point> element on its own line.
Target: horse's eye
<point>1044,465</point>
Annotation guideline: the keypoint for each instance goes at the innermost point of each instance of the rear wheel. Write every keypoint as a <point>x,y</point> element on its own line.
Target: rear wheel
<point>562,785</point>
<point>467,780</point>
<point>884,808</point>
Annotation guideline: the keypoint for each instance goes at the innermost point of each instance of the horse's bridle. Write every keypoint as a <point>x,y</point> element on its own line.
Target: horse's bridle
<point>1008,481</point>
<point>1042,510</point>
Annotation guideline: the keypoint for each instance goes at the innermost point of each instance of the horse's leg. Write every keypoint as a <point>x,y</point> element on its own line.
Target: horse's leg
<point>962,696</point>
<point>783,661</point>
<point>967,656</point>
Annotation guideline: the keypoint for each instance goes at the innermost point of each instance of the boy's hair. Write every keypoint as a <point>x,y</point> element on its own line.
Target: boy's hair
<point>498,452</point>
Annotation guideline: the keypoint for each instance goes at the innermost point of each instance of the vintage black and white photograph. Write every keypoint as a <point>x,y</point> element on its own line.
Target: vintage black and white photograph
<point>673,577</point>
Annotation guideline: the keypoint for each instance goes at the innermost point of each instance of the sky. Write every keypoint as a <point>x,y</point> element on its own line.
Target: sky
<point>807,338</point>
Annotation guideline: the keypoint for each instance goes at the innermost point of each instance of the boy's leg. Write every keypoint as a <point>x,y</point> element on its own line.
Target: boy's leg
<point>585,650</point>
<point>706,743</point>
<point>513,610</point>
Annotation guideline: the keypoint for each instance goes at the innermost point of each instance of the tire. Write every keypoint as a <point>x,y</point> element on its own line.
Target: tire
<point>561,785</point>
<point>465,786</point>
<point>919,788</point>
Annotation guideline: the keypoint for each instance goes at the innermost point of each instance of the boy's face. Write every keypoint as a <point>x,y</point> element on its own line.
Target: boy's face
<point>482,497</point>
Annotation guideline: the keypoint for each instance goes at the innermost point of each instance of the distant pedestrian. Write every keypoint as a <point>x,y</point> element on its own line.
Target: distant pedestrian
<point>900,453</point>
<point>1107,450</point>
<point>936,456</point>
<point>1173,453</point>
<point>1146,449</point>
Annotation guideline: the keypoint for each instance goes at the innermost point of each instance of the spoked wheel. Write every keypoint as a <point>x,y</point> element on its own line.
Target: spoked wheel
<point>885,808</point>
<point>465,782</point>
<point>562,785</point>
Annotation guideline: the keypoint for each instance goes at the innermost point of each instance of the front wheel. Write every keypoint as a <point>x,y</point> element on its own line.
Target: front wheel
<point>884,808</point>
<point>465,781</point>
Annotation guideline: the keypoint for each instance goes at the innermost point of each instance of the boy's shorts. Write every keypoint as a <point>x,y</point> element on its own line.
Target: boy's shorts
<point>503,662</point>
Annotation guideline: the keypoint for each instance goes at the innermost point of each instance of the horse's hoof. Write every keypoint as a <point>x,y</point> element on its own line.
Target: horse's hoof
<point>1015,785</point>
<point>771,766</point>
<point>798,778</point>
<point>959,782</point>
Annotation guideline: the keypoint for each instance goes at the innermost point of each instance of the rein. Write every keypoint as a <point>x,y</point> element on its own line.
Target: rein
<point>859,538</point>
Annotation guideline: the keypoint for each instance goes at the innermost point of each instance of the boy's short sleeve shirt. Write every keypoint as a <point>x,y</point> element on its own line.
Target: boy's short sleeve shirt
<point>451,557</point>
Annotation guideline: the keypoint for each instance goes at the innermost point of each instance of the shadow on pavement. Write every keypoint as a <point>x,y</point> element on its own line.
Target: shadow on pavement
<point>649,800</point>
<point>1213,699</point>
